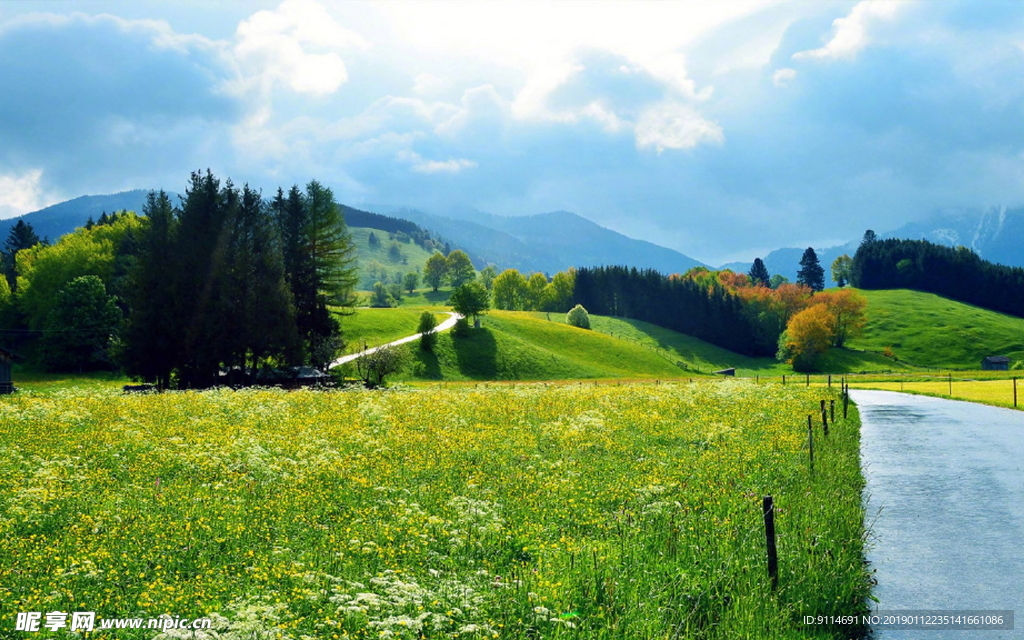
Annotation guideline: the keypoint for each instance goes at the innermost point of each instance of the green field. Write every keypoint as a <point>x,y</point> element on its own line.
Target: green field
<point>927,330</point>
<point>530,512</point>
<point>380,326</point>
<point>515,345</point>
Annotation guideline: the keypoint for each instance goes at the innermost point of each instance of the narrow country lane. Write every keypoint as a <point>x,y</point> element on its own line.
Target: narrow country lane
<point>945,507</point>
<point>444,326</point>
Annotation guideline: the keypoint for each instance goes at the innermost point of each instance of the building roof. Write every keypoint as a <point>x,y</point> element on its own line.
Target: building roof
<point>996,359</point>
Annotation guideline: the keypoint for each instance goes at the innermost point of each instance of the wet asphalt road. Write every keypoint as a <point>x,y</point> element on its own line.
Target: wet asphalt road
<point>945,505</point>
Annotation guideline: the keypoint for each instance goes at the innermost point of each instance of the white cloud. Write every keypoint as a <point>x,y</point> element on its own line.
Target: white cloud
<point>850,34</point>
<point>427,84</point>
<point>22,193</point>
<point>670,125</point>
<point>295,45</point>
<point>782,77</point>
<point>420,165</point>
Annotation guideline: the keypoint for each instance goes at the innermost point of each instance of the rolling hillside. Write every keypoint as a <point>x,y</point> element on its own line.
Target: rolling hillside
<point>927,330</point>
<point>519,346</point>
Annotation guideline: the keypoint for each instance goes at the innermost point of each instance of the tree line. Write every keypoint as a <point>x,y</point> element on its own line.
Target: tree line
<point>956,273</point>
<point>225,280</point>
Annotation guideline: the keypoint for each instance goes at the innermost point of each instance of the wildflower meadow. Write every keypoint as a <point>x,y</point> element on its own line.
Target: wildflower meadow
<point>534,511</point>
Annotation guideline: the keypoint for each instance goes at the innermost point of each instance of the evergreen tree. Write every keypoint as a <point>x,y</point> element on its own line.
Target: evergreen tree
<point>758,273</point>
<point>811,273</point>
<point>151,338</point>
<point>21,236</point>
<point>869,237</point>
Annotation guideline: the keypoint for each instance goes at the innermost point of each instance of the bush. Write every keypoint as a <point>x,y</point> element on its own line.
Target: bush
<point>578,317</point>
<point>428,323</point>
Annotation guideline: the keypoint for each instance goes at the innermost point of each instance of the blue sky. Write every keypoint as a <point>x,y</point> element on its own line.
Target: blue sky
<point>722,130</point>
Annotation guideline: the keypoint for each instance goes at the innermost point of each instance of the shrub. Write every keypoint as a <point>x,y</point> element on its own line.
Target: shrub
<point>578,317</point>
<point>428,323</point>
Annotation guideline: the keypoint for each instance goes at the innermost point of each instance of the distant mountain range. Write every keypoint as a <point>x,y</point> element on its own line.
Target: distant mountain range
<point>551,242</point>
<point>996,234</point>
<point>547,242</point>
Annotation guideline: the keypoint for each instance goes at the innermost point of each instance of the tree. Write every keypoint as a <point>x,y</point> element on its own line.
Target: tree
<point>330,245</point>
<point>578,317</point>
<point>427,330</point>
<point>869,237</point>
<point>380,296</point>
<point>410,280</point>
<point>811,274</point>
<point>470,300</point>
<point>534,291</point>
<point>776,280</point>
<point>394,252</point>
<point>759,274</point>
<point>847,309</point>
<point>487,276</point>
<point>509,290</point>
<point>434,270</point>
<point>373,367</point>
<point>557,294</point>
<point>807,337</point>
<point>150,343</point>
<point>80,327</point>
<point>842,267</point>
<point>373,240</point>
<point>460,268</point>
<point>21,236</point>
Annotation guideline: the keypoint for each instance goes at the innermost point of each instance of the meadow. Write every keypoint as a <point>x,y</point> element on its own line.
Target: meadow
<point>570,511</point>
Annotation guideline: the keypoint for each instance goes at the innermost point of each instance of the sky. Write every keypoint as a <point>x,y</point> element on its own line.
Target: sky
<point>722,130</point>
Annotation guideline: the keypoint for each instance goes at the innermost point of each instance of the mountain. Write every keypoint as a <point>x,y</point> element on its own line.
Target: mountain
<point>548,242</point>
<point>996,234</point>
<point>59,219</point>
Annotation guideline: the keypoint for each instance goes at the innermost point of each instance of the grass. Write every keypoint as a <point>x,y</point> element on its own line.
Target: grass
<point>413,256</point>
<point>27,378</point>
<point>380,326</point>
<point>556,512</point>
<point>927,330</point>
<point>513,345</point>
<point>998,393</point>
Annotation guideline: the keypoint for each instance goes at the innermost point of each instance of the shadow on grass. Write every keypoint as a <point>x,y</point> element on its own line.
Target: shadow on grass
<point>477,354</point>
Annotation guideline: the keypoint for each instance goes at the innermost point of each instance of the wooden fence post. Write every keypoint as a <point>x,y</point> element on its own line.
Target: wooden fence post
<point>950,384</point>
<point>783,378</point>
<point>768,511</point>
<point>810,441</point>
<point>824,420</point>
<point>1015,393</point>
<point>832,411</point>
<point>830,381</point>
<point>808,380</point>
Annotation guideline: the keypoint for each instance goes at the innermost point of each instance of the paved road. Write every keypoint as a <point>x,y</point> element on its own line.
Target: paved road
<point>444,326</point>
<point>945,485</point>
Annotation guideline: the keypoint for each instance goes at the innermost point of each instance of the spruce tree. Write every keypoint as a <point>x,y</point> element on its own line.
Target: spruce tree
<point>811,273</point>
<point>21,236</point>
<point>758,274</point>
<point>151,338</point>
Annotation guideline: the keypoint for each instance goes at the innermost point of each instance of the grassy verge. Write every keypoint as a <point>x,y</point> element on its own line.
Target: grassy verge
<point>999,393</point>
<point>555,512</point>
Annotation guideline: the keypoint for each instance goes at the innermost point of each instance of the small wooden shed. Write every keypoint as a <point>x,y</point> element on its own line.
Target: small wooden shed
<point>996,363</point>
<point>7,357</point>
<point>731,371</point>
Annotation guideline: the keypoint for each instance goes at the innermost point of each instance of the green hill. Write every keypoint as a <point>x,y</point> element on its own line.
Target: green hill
<point>927,330</point>
<point>387,259</point>
<point>521,346</point>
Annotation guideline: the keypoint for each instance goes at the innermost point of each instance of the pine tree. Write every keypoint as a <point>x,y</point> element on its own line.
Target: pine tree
<point>758,273</point>
<point>21,236</point>
<point>152,335</point>
<point>811,274</point>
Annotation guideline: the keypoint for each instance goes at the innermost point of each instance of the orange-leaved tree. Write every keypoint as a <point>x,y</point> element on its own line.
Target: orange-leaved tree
<point>808,336</point>
<point>848,310</point>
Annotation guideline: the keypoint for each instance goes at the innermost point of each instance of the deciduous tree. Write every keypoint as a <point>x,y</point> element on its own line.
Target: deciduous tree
<point>459,268</point>
<point>434,270</point>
